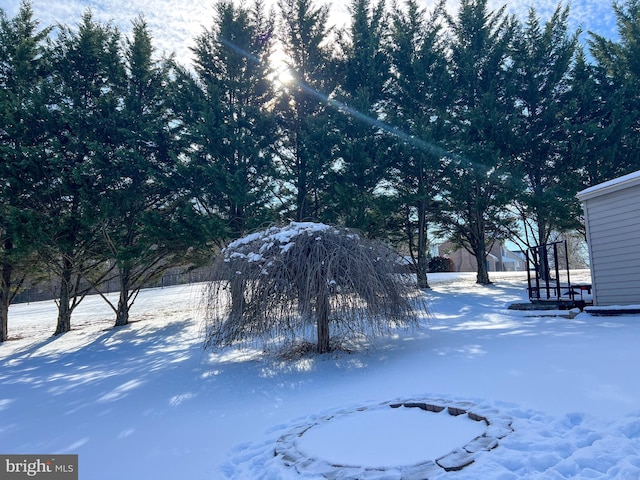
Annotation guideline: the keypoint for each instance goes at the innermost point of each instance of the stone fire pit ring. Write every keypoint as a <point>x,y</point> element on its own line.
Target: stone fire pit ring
<point>497,426</point>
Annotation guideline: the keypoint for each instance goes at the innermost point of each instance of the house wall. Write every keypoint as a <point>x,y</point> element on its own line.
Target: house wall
<point>463,261</point>
<point>612,216</point>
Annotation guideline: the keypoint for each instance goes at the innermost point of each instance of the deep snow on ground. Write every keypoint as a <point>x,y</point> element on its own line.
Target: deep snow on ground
<point>145,401</point>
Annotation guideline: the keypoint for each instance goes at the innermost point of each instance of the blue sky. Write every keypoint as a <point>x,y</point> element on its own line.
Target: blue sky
<point>174,23</point>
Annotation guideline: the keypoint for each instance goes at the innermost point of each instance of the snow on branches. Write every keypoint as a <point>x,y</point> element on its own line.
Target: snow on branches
<point>308,281</point>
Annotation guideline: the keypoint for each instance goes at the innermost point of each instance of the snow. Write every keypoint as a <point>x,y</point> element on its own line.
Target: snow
<point>414,434</point>
<point>562,396</point>
<point>277,236</point>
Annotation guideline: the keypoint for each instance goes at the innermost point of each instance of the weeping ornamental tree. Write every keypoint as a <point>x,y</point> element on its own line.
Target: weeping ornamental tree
<point>307,280</point>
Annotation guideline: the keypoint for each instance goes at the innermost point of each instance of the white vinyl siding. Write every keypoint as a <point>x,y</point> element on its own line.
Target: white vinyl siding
<point>613,232</point>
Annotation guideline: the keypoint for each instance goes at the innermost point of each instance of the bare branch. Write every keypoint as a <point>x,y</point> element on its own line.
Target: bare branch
<point>287,284</point>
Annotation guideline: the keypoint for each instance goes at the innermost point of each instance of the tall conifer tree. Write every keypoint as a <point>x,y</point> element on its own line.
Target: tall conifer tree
<point>618,77</point>
<point>84,97</point>
<point>543,55</point>
<point>474,198</point>
<point>595,125</point>
<point>419,96</point>
<point>145,216</point>
<point>305,110</point>
<point>228,110</point>
<point>22,72</point>
<point>360,161</point>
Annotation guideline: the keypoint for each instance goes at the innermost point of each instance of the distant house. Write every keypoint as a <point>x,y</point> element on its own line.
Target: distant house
<point>612,218</point>
<point>499,259</point>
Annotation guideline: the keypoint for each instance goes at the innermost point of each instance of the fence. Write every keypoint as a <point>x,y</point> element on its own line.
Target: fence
<point>176,276</point>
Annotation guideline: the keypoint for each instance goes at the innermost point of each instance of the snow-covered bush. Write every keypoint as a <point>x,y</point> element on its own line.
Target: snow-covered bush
<point>307,282</point>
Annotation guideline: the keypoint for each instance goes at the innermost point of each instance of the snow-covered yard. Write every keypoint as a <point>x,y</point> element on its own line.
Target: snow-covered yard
<point>145,401</point>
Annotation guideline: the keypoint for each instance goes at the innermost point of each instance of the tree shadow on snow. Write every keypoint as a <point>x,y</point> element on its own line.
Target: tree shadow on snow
<point>129,363</point>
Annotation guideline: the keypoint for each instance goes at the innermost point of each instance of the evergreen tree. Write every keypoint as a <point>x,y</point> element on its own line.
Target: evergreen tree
<point>144,215</point>
<point>474,198</point>
<point>595,125</point>
<point>306,114</point>
<point>360,160</point>
<point>418,99</point>
<point>227,109</point>
<point>543,56</point>
<point>22,72</point>
<point>84,96</point>
<point>617,75</point>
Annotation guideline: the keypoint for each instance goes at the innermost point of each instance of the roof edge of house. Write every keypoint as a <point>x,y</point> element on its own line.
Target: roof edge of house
<point>610,186</point>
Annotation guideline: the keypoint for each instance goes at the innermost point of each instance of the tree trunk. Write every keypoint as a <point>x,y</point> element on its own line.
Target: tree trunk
<point>322,321</point>
<point>482,277</point>
<point>237,298</point>
<point>5,296</point>
<point>543,232</point>
<point>64,307</point>
<point>4,321</point>
<point>238,220</point>
<point>423,265</point>
<point>301,195</point>
<point>122,311</point>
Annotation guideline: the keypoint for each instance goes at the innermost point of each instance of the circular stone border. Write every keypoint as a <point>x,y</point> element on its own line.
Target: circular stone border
<point>498,427</point>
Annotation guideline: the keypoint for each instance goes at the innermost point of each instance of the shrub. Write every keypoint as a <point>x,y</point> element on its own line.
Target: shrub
<point>440,264</point>
<point>284,285</point>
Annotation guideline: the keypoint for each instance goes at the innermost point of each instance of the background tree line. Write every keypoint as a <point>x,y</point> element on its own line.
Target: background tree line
<point>478,126</point>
